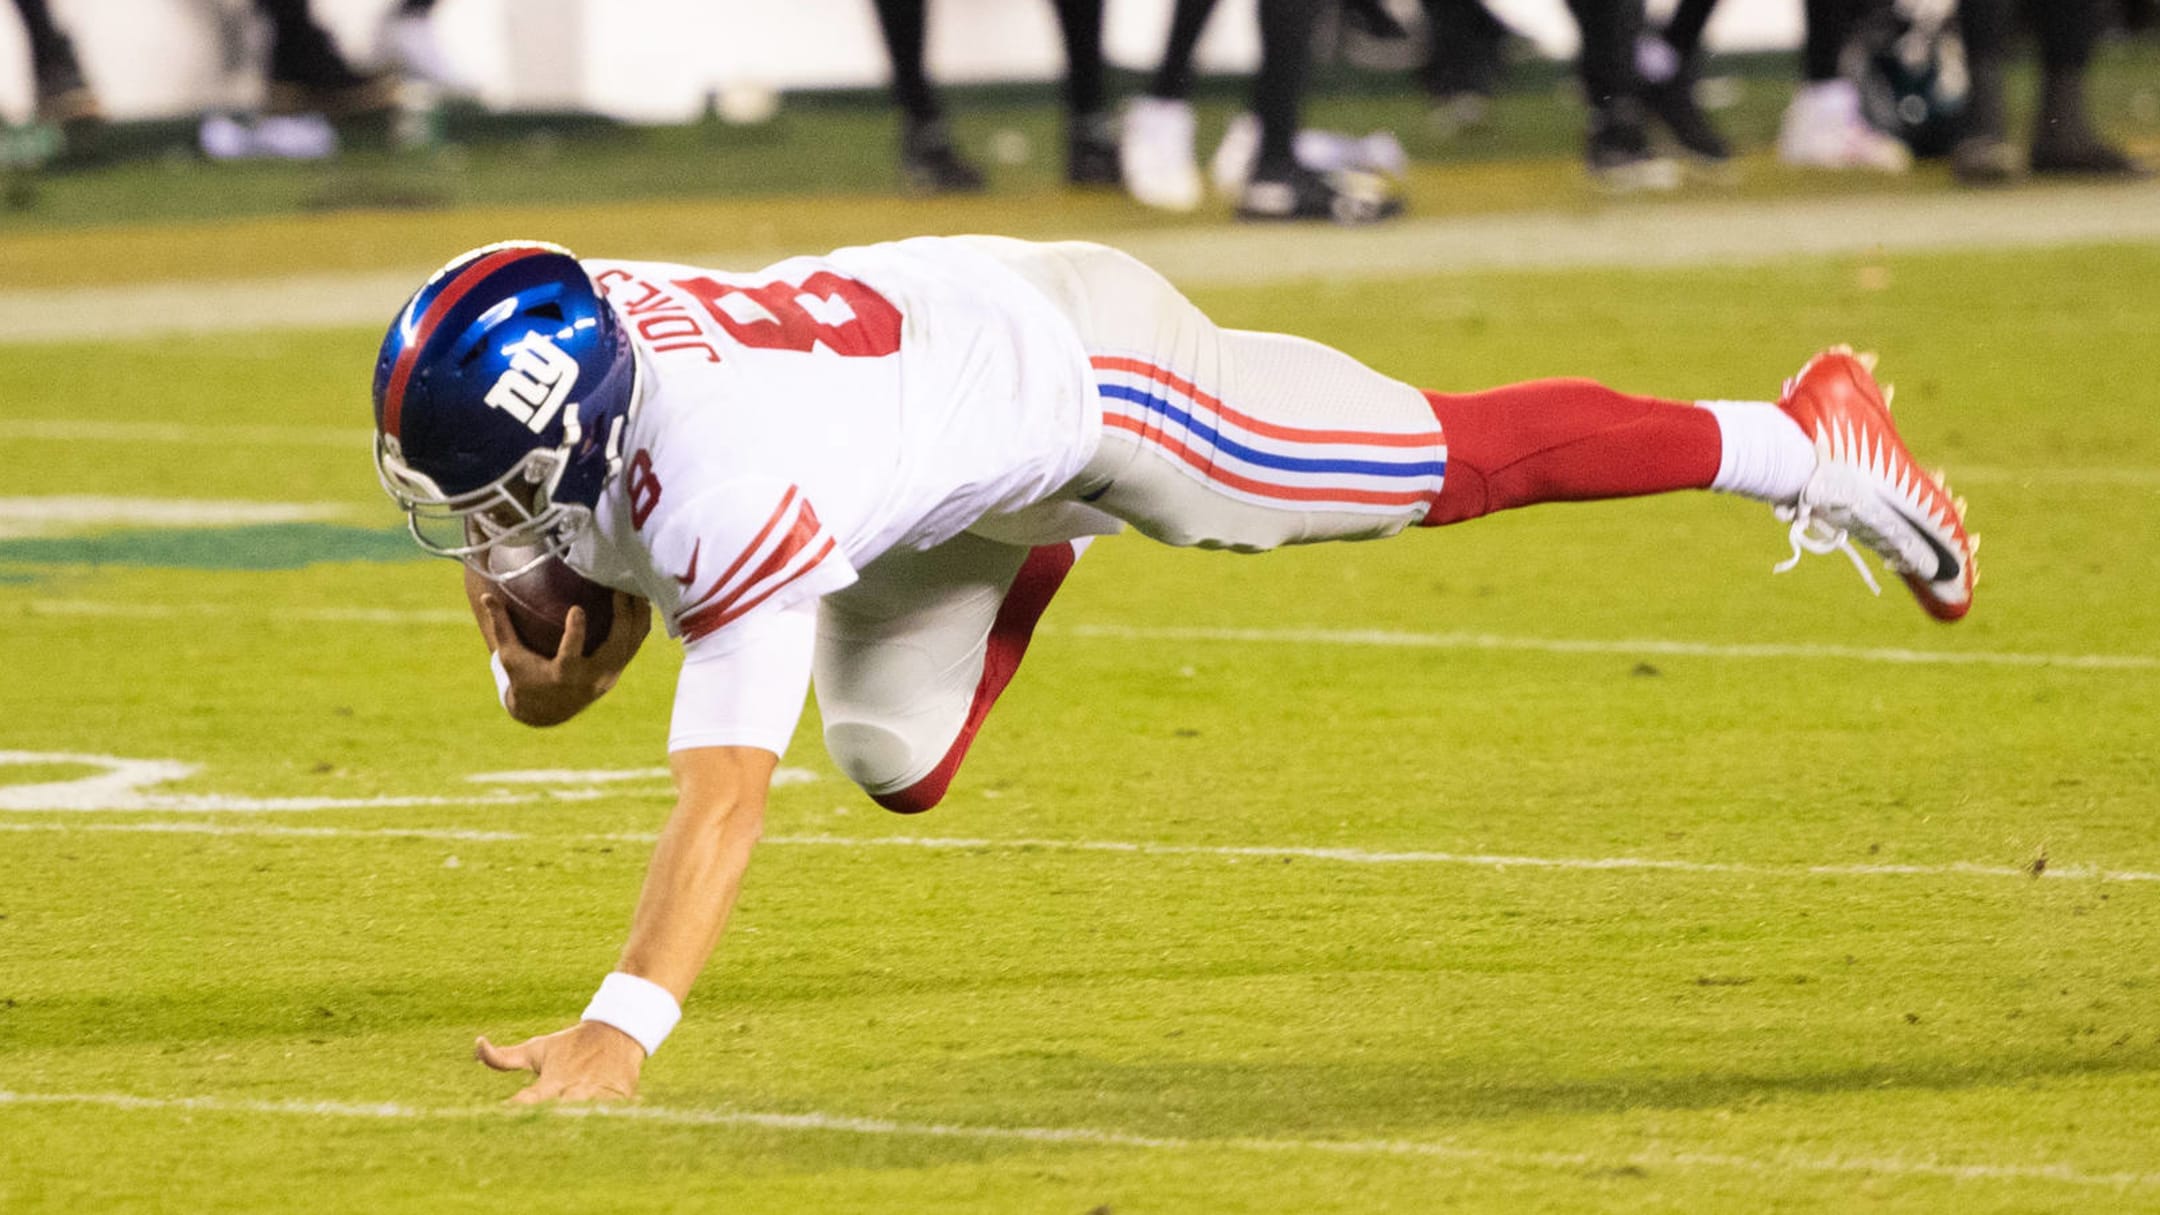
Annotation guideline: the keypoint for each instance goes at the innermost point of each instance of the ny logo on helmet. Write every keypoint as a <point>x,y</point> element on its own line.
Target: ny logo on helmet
<point>538,382</point>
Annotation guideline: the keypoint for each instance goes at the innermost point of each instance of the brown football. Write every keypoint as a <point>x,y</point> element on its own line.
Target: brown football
<point>540,599</point>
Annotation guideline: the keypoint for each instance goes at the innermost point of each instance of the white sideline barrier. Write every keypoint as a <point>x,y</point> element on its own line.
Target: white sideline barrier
<point>658,60</point>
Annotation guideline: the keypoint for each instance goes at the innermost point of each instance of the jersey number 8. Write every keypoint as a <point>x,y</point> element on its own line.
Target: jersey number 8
<point>847,317</point>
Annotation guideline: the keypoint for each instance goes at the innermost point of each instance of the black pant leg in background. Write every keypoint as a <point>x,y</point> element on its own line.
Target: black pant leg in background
<point>1080,22</point>
<point>1609,31</point>
<point>904,24</point>
<point>1174,75</point>
<point>1286,33</point>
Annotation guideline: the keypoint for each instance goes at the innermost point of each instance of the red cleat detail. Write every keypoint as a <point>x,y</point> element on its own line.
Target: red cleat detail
<point>1868,485</point>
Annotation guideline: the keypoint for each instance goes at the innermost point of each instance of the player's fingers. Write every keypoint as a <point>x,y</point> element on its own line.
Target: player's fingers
<point>589,1090</point>
<point>573,637</point>
<point>487,623</point>
<point>633,616</point>
<point>542,1089</point>
<point>525,1056</point>
<point>500,634</point>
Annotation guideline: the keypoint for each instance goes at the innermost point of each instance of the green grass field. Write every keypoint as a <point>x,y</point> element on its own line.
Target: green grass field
<point>1564,860</point>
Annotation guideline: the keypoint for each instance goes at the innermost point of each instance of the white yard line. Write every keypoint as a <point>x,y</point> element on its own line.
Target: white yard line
<point>612,776</point>
<point>2088,477</point>
<point>1232,853</point>
<point>1361,638</point>
<point>1664,234</point>
<point>1388,639</point>
<point>269,831</point>
<point>76,512</point>
<point>1667,235</point>
<point>76,430</point>
<point>119,610</point>
<point>118,784</point>
<point>1776,1165</point>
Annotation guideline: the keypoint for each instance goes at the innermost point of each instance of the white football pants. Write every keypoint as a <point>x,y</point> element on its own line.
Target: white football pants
<point>1212,438</point>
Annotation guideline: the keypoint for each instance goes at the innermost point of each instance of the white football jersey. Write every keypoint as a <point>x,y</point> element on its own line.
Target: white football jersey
<point>800,420</point>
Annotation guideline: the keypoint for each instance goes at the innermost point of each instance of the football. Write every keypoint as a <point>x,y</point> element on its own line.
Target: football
<point>539,600</point>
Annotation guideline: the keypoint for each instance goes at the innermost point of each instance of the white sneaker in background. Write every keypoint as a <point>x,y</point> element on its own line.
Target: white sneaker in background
<point>1155,154</point>
<point>1321,151</point>
<point>1824,129</point>
<point>1232,165</point>
<point>224,136</point>
<point>295,137</point>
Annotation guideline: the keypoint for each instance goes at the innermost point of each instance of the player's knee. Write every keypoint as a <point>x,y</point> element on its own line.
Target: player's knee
<point>873,756</point>
<point>885,764</point>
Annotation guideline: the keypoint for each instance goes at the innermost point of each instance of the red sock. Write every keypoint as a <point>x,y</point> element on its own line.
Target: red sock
<point>1566,441</point>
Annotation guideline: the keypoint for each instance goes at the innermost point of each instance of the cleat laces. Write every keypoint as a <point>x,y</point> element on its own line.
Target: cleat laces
<point>1812,535</point>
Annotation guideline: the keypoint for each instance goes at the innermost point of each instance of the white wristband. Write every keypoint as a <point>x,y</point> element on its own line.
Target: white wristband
<point>502,679</point>
<point>639,1007</point>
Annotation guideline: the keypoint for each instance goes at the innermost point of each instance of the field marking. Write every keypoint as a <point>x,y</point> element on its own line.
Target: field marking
<point>2060,474</point>
<point>95,608</point>
<point>71,512</point>
<point>610,776</point>
<point>1497,862</point>
<point>271,831</point>
<point>1782,1164</point>
<point>81,430</point>
<point>119,784</point>
<point>1671,234</point>
<point>1380,638</point>
<point>1391,639</point>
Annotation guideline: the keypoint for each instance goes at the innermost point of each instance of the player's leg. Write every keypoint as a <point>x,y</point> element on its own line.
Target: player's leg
<point>1229,439</point>
<point>928,160</point>
<point>911,658</point>
<point>1155,150</point>
<point>1091,145</point>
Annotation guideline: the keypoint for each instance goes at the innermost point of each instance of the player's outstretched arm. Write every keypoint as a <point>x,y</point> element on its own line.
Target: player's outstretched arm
<point>547,690</point>
<point>690,887</point>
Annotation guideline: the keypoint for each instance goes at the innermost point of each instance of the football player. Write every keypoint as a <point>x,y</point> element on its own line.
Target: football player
<point>870,471</point>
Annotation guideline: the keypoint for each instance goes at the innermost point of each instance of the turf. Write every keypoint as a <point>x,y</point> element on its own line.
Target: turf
<point>1786,1021</point>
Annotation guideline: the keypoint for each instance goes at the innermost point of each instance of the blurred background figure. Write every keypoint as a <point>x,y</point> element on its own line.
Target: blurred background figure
<point>410,45</point>
<point>929,163</point>
<point>307,73</point>
<point>2064,138</point>
<point>1618,152</point>
<point>1670,62</point>
<point>1157,158</point>
<point>64,99</point>
<point>1825,126</point>
<point>309,86</point>
<point>1631,80</point>
<point>1466,60</point>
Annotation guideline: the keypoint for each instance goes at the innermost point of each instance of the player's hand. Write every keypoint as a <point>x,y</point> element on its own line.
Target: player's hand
<point>589,1061</point>
<point>546,690</point>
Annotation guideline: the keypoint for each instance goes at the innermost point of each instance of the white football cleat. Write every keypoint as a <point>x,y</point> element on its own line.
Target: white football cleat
<point>1867,487</point>
<point>1824,129</point>
<point>1155,154</point>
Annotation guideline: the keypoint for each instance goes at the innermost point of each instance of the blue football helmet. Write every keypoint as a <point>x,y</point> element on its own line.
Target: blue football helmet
<point>501,395</point>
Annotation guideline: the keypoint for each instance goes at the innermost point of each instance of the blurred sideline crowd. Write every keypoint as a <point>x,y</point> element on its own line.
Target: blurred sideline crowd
<point>1879,82</point>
